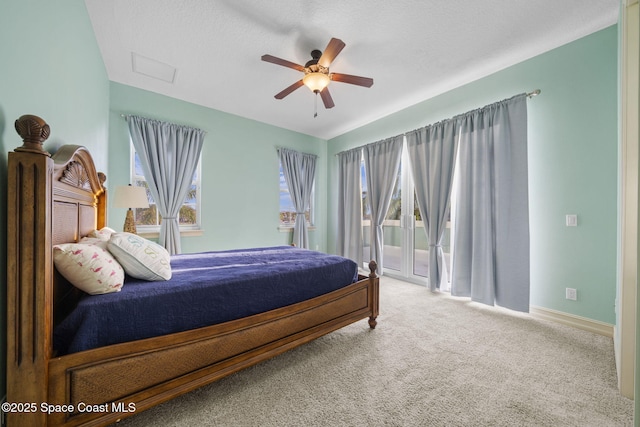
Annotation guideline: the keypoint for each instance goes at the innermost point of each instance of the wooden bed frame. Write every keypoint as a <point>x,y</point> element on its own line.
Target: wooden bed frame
<point>61,198</point>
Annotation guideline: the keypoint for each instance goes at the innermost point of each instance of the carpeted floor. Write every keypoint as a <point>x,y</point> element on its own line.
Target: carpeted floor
<point>433,360</point>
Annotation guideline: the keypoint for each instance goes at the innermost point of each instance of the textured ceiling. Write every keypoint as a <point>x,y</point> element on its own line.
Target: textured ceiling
<point>208,51</point>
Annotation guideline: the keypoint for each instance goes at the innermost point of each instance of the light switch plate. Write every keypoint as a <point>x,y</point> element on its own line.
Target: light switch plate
<point>572,220</point>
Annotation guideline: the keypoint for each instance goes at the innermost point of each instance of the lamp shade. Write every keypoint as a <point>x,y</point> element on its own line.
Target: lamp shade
<point>128,196</point>
<point>316,81</point>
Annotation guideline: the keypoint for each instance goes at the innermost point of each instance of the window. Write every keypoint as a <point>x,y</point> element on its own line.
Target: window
<point>287,209</point>
<point>366,211</point>
<point>148,220</point>
<point>395,206</point>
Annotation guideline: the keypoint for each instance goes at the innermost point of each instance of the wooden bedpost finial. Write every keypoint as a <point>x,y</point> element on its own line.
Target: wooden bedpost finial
<point>373,266</point>
<point>34,131</point>
<point>102,178</point>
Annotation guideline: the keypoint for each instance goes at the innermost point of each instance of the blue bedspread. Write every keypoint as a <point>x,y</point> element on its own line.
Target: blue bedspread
<point>206,288</point>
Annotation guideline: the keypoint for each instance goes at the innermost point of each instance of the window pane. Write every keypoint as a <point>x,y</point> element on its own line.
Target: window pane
<point>287,209</point>
<point>420,243</point>
<point>137,167</point>
<point>393,238</point>
<point>395,206</point>
<point>366,211</point>
<point>366,217</point>
<point>189,208</point>
<point>189,212</point>
<point>146,216</point>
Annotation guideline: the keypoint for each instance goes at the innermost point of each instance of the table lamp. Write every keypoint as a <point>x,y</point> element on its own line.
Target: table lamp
<point>128,196</point>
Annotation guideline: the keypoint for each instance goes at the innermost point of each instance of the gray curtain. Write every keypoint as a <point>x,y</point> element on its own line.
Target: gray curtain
<point>299,171</point>
<point>432,152</point>
<point>491,238</point>
<point>381,162</point>
<point>349,239</point>
<point>169,155</point>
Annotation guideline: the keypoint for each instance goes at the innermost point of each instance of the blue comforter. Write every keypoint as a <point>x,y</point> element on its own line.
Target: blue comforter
<point>206,288</point>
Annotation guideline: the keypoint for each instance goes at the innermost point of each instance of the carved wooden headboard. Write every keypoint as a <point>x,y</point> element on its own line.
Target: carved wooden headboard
<point>50,200</point>
<point>79,197</point>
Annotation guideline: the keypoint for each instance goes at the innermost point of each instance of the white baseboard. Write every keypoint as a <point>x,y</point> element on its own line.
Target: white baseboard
<point>595,326</point>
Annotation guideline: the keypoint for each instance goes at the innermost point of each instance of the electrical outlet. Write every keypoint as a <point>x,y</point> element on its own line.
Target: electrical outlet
<point>572,294</point>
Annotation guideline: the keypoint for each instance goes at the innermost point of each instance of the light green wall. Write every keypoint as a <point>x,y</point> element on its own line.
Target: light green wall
<point>572,165</point>
<point>51,67</point>
<point>240,174</point>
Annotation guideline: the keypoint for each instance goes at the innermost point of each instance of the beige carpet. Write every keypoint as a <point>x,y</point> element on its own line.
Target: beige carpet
<point>433,360</point>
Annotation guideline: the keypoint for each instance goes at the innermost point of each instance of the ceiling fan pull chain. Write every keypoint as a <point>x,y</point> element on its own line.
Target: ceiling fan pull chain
<point>315,110</point>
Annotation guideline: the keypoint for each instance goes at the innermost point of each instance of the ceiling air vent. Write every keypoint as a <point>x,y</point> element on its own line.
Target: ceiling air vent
<point>152,68</point>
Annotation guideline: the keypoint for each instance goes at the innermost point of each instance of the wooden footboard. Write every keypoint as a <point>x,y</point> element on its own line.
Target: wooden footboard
<point>123,379</point>
<point>60,199</point>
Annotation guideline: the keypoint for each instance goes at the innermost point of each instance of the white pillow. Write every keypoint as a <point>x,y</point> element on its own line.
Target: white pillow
<point>88,267</point>
<point>103,234</point>
<point>140,258</point>
<point>94,241</point>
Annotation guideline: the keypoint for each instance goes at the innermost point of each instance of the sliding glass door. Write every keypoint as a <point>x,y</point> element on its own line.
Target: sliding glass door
<point>405,249</point>
<point>393,230</point>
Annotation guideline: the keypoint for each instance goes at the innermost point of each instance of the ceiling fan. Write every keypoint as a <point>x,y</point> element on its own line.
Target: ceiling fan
<point>316,72</point>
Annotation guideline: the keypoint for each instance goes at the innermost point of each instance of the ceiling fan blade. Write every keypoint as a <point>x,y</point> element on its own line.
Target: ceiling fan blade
<point>326,98</point>
<point>354,80</point>
<point>289,89</point>
<point>283,62</point>
<point>330,52</point>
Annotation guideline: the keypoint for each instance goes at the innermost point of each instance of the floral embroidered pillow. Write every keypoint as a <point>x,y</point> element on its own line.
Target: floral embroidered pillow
<point>88,267</point>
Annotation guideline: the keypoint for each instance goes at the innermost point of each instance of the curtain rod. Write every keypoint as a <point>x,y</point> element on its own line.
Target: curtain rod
<point>124,116</point>
<point>534,93</point>
<point>529,95</point>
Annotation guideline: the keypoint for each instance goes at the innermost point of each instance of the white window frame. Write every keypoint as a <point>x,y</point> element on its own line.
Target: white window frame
<point>185,229</point>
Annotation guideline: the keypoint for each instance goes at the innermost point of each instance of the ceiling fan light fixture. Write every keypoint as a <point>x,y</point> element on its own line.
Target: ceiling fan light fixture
<point>316,73</point>
<point>316,81</point>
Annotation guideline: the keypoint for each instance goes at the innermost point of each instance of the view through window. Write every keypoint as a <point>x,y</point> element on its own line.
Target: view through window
<point>405,245</point>
<point>149,219</point>
<point>287,209</point>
